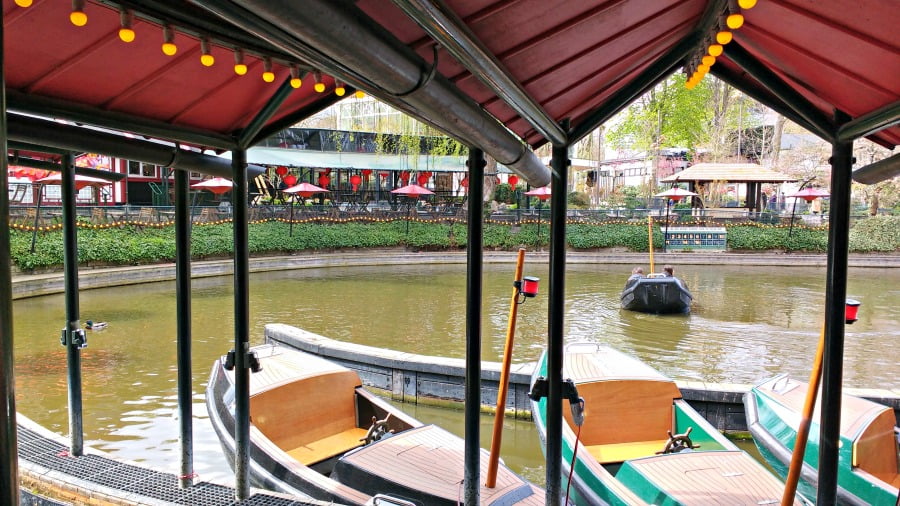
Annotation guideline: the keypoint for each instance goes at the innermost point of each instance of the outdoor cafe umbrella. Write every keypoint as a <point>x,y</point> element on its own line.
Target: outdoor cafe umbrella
<point>413,192</point>
<point>305,190</point>
<point>808,194</point>
<point>56,179</point>
<point>542,193</point>
<point>217,185</point>
<point>675,193</point>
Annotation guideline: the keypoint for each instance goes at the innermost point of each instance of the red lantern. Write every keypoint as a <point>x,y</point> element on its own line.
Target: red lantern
<point>404,176</point>
<point>422,179</point>
<point>513,180</point>
<point>355,180</point>
<point>324,180</point>
<point>281,170</point>
<point>530,286</point>
<point>290,180</point>
<point>366,173</point>
<point>465,182</point>
<point>851,311</point>
<point>384,175</point>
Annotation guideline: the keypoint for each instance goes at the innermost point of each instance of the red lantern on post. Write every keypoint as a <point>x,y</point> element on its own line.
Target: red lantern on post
<point>281,170</point>
<point>513,180</point>
<point>422,179</point>
<point>355,180</point>
<point>404,176</point>
<point>324,180</point>
<point>290,180</point>
<point>465,182</point>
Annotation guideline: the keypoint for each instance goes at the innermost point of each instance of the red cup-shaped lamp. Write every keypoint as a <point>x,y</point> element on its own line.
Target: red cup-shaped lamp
<point>852,311</point>
<point>530,286</point>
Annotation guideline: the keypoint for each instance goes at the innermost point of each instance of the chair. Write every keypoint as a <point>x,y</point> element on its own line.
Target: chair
<point>98,216</point>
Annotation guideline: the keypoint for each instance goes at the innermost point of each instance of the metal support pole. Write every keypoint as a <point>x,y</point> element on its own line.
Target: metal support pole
<point>183,316</point>
<point>9,462</point>
<point>472,478</point>
<point>835,300</point>
<point>241,327</point>
<point>559,164</point>
<point>72,342</point>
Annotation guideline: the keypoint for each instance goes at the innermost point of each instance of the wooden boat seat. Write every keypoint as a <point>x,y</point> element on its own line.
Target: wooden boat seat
<point>327,447</point>
<point>614,453</point>
<point>875,450</point>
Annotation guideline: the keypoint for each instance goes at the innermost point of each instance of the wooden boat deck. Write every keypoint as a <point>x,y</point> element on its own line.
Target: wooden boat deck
<point>705,478</point>
<point>429,458</point>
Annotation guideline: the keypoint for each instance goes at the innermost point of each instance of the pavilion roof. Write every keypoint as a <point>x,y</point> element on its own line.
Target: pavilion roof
<point>731,172</point>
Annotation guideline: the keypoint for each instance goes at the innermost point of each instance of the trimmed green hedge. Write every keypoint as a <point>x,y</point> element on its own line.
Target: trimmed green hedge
<point>131,245</point>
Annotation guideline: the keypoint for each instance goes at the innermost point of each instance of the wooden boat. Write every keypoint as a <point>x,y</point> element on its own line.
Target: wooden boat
<point>316,433</point>
<point>657,294</point>
<point>641,443</point>
<point>867,455</point>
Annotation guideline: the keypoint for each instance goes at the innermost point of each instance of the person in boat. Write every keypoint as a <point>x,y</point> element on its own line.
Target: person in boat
<point>636,274</point>
<point>669,271</point>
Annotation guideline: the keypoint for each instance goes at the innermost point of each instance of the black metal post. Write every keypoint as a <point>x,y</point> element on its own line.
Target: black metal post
<point>183,316</point>
<point>241,327</point>
<point>472,478</point>
<point>666,235</point>
<point>37,216</point>
<point>835,300</point>
<point>73,325</point>
<point>9,461</point>
<point>559,164</point>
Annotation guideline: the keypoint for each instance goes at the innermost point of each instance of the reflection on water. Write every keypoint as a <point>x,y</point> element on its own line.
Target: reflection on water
<point>747,324</point>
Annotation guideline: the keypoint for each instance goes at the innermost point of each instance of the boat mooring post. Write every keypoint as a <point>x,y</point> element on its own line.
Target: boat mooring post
<point>183,320</point>
<point>241,327</point>
<point>559,174</point>
<point>73,337</point>
<point>835,301</point>
<point>472,451</point>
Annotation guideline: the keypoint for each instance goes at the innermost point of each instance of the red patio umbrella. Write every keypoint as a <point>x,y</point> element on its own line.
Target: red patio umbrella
<point>217,185</point>
<point>80,181</point>
<point>305,190</point>
<point>809,194</point>
<point>29,173</point>
<point>674,193</point>
<point>412,191</point>
<point>542,193</point>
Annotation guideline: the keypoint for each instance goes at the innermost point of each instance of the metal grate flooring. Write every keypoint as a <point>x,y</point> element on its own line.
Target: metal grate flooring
<point>135,480</point>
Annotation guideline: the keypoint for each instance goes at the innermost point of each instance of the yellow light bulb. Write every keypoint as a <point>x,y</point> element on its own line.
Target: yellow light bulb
<point>126,34</point>
<point>735,21</point>
<point>708,60</point>
<point>207,60</point>
<point>360,94</point>
<point>747,4</point>
<point>78,18</point>
<point>296,82</point>
<point>703,68</point>
<point>724,37</point>
<point>319,87</point>
<point>715,50</point>
<point>169,48</point>
<point>340,91</point>
<point>23,3</point>
<point>240,69</point>
<point>268,76</point>
<point>690,85</point>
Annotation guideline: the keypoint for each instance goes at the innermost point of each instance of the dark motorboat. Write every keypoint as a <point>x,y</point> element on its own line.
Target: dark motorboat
<point>316,433</point>
<point>657,294</point>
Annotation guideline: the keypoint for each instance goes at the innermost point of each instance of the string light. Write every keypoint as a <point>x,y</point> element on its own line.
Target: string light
<point>715,50</point>
<point>24,3</point>
<point>206,58</point>
<point>168,46</point>
<point>240,68</point>
<point>296,82</point>
<point>747,4</point>
<point>339,89</point>
<point>319,86</point>
<point>267,75</point>
<point>126,33</point>
<point>360,94</point>
<point>735,21</point>
<point>724,37</point>
<point>77,16</point>
<point>708,60</point>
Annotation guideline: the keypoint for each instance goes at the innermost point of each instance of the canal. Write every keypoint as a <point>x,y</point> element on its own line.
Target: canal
<point>747,324</point>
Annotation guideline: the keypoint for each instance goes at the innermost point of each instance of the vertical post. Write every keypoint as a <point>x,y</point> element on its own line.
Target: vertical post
<point>183,316</point>
<point>559,164</point>
<point>241,327</point>
<point>835,300</point>
<point>472,455</point>
<point>73,325</point>
<point>9,461</point>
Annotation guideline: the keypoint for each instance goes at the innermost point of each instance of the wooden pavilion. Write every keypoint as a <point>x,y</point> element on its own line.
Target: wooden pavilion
<point>750,174</point>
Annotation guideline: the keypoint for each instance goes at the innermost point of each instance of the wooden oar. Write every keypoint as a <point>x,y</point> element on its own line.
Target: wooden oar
<point>790,484</point>
<point>497,435</point>
<point>650,239</point>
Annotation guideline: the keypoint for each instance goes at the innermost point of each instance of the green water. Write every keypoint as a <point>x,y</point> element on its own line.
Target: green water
<point>748,323</point>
